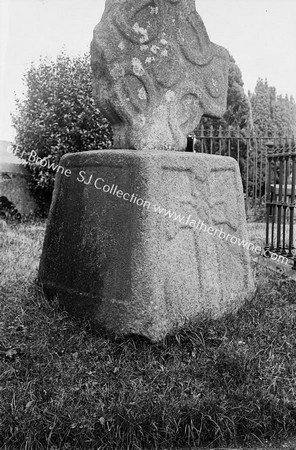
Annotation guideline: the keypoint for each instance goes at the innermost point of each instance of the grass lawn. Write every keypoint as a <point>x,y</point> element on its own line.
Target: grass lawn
<point>216,383</point>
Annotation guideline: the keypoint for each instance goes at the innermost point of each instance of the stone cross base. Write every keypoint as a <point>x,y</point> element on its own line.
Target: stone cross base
<point>141,242</point>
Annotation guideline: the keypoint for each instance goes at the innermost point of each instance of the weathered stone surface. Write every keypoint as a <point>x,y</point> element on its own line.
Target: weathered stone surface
<point>156,72</point>
<point>111,258</point>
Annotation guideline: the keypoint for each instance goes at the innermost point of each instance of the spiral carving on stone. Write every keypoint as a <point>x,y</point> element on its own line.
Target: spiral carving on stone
<point>156,72</point>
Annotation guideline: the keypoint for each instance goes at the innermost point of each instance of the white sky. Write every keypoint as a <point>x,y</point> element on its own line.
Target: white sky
<point>260,35</point>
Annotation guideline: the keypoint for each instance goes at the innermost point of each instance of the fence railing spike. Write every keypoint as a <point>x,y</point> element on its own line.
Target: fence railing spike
<point>202,131</point>
<point>211,131</point>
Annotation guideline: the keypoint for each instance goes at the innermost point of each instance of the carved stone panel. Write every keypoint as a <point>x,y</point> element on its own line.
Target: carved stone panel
<point>156,72</point>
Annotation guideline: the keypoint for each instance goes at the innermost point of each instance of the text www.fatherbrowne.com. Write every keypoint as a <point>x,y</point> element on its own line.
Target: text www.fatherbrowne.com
<point>199,225</point>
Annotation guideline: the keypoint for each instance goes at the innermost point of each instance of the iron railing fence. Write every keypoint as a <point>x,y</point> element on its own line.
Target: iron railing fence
<point>280,201</point>
<point>250,149</point>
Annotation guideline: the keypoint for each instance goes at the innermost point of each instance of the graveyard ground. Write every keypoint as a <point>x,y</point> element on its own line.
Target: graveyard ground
<point>225,383</point>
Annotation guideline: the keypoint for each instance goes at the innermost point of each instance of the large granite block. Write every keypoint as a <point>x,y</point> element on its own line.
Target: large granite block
<point>111,256</point>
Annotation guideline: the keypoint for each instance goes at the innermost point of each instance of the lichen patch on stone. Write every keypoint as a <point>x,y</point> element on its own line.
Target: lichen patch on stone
<point>142,31</point>
<point>154,10</point>
<point>138,69</point>
<point>154,49</point>
<point>149,59</point>
<point>215,84</point>
<point>170,95</point>
<point>142,94</point>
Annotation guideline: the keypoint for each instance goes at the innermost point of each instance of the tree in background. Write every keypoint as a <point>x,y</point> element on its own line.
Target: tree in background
<point>58,115</point>
<point>262,103</point>
<point>272,113</point>
<point>238,107</point>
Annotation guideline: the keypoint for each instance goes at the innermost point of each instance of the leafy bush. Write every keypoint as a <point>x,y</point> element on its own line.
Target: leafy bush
<point>58,115</point>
